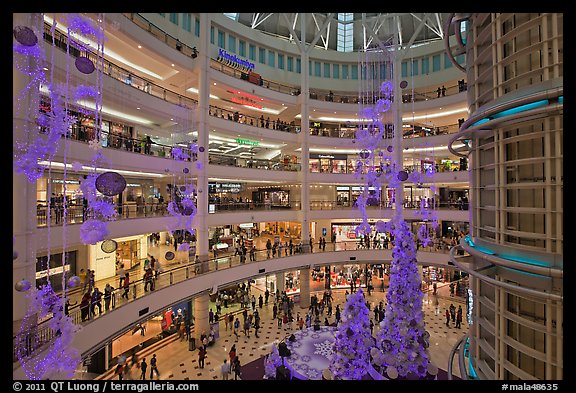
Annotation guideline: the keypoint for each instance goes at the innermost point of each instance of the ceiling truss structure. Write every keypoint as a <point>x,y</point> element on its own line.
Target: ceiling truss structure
<point>369,29</point>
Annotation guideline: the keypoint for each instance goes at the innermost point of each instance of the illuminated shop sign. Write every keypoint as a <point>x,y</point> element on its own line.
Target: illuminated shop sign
<point>223,55</point>
<point>246,101</point>
<point>330,156</point>
<point>224,187</point>
<point>247,142</point>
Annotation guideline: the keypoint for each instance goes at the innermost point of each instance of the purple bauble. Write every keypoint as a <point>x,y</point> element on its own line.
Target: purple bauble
<point>169,255</point>
<point>402,175</point>
<point>110,183</point>
<point>403,84</point>
<point>201,148</point>
<point>364,154</point>
<point>84,65</point>
<point>25,36</point>
<point>182,188</point>
<point>185,170</point>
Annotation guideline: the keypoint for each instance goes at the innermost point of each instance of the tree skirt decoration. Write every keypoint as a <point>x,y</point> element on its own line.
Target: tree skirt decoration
<point>84,65</point>
<point>109,246</point>
<point>311,352</point>
<point>25,36</point>
<point>110,183</point>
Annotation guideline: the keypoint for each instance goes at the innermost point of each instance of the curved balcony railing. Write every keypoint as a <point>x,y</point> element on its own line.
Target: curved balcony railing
<point>420,94</point>
<point>253,163</point>
<point>76,212</point>
<point>149,87</point>
<point>387,204</point>
<point>43,334</point>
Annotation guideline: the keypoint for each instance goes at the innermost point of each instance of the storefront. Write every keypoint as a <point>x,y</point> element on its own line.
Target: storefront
<point>346,231</point>
<point>343,196</point>
<point>272,197</point>
<point>56,269</point>
<point>129,251</point>
<point>284,229</point>
<point>328,163</point>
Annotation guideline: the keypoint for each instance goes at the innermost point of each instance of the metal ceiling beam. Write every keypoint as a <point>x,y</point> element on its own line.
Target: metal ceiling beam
<point>318,27</point>
<point>293,33</point>
<point>440,27</point>
<point>375,29</point>
<point>425,22</point>
<point>414,35</point>
<point>372,33</point>
<point>319,33</point>
<point>399,25</point>
<point>256,23</point>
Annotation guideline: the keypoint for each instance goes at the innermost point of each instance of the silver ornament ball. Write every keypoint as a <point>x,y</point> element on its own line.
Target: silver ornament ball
<point>23,285</point>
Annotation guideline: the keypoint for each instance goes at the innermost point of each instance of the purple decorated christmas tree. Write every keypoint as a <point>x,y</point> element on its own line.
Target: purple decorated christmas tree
<point>402,340</point>
<point>353,340</point>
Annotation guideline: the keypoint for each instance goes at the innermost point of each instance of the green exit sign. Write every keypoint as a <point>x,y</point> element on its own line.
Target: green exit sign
<point>247,142</point>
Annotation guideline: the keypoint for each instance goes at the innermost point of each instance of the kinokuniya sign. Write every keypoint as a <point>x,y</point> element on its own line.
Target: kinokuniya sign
<point>223,55</point>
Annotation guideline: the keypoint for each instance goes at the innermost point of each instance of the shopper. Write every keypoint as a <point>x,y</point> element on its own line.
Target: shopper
<point>96,301</point>
<point>201,356</point>
<point>121,274</point>
<point>143,367</point>
<point>126,285</point>
<point>225,370</point>
<point>237,368</point>
<point>447,318</point>
<point>154,367</point>
<point>85,306</point>
<point>108,289</point>
<point>236,328</point>
<point>459,317</point>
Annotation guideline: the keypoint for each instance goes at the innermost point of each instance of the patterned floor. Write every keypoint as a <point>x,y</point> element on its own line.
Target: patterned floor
<point>176,362</point>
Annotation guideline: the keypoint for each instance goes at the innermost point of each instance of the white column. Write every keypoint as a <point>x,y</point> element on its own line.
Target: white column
<point>200,313</point>
<point>280,281</point>
<point>304,288</point>
<point>304,212</point>
<point>23,192</point>
<point>203,137</point>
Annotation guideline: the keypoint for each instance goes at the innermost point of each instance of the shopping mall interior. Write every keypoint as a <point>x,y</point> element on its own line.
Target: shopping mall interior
<point>309,196</point>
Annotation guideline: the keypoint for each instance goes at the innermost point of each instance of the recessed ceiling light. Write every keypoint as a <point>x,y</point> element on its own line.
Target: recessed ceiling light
<point>314,110</point>
<point>138,107</point>
<point>172,64</point>
<point>214,83</point>
<point>334,112</point>
<point>45,68</point>
<point>171,119</point>
<point>139,46</point>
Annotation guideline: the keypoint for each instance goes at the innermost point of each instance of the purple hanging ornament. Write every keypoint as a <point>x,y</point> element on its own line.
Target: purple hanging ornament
<point>84,65</point>
<point>110,183</point>
<point>402,175</point>
<point>25,36</point>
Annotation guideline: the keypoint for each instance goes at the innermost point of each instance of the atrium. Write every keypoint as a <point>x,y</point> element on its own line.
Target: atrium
<point>311,196</point>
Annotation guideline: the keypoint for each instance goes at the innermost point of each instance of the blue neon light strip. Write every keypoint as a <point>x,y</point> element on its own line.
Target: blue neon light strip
<point>518,109</point>
<point>504,256</point>
<point>521,108</point>
<point>471,371</point>
<point>481,121</point>
<point>561,99</point>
